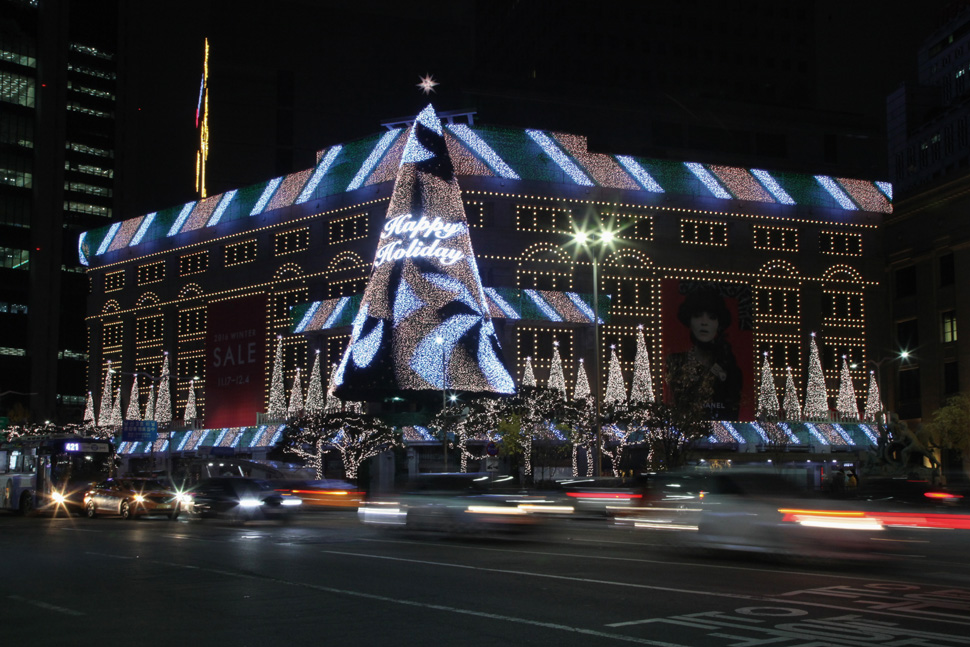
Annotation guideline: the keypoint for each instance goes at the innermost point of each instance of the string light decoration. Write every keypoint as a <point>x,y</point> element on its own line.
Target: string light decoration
<point>134,412</point>
<point>847,406</point>
<point>202,123</point>
<point>314,393</point>
<point>583,430</point>
<point>767,396</point>
<point>190,412</point>
<point>104,415</point>
<point>557,380</point>
<point>791,407</point>
<point>163,402</point>
<point>296,395</point>
<point>641,391</point>
<point>277,396</point>
<point>89,419</point>
<point>115,419</point>
<point>423,321</point>
<point>582,390</point>
<point>875,410</point>
<point>528,376</point>
<point>150,405</point>
<point>615,387</point>
<point>816,398</point>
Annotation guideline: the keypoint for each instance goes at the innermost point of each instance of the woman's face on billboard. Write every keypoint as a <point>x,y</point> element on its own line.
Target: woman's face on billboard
<point>704,327</point>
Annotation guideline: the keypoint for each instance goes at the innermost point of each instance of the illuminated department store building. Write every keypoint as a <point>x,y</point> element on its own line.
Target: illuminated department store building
<point>292,255</point>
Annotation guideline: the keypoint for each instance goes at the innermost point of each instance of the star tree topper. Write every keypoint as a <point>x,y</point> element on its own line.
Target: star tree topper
<point>427,84</point>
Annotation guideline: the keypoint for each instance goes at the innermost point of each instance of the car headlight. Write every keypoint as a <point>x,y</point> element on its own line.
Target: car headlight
<point>289,501</point>
<point>139,498</point>
<point>58,497</point>
<point>250,503</point>
<point>184,499</point>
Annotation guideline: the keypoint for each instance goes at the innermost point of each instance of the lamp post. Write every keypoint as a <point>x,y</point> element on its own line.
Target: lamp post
<point>444,395</point>
<point>584,240</point>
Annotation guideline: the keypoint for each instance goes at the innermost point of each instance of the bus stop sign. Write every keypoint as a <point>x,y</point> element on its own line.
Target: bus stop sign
<point>139,430</point>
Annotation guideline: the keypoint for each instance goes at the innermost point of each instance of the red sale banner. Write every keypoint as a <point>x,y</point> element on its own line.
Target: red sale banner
<point>235,356</point>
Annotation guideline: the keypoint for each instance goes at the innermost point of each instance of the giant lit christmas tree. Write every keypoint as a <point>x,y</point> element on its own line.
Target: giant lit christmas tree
<point>615,388</point>
<point>641,391</point>
<point>767,396</point>
<point>89,420</point>
<point>150,405</point>
<point>314,391</point>
<point>115,419</point>
<point>875,410</point>
<point>528,376</point>
<point>557,380</point>
<point>134,411</point>
<point>190,412</point>
<point>791,406</point>
<point>296,395</point>
<point>423,322</point>
<point>846,405</point>
<point>163,402</point>
<point>104,414</point>
<point>581,392</point>
<point>816,399</point>
<point>277,395</point>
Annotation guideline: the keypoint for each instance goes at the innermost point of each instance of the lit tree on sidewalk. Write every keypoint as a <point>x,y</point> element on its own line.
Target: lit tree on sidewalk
<point>816,398</point>
<point>89,420</point>
<point>875,410</point>
<point>134,411</point>
<point>557,380</point>
<point>847,406</point>
<point>583,430</point>
<point>767,396</point>
<point>277,396</point>
<point>621,432</point>
<point>792,408</point>
<point>642,388</point>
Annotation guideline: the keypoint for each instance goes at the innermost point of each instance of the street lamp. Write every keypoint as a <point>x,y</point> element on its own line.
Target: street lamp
<point>594,244</point>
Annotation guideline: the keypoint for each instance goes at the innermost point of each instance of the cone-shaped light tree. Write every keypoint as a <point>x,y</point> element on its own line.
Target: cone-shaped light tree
<point>89,419</point>
<point>277,394</point>
<point>115,418</point>
<point>816,398</point>
<point>767,396</point>
<point>104,414</point>
<point>134,411</point>
<point>424,287</point>
<point>557,380</point>
<point>583,428</point>
<point>190,412</point>
<point>615,387</point>
<point>875,409</point>
<point>150,405</point>
<point>792,408</point>
<point>846,405</point>
<point>314,392</point>
<point>582,391</point>
<point>333,403</point>
<point>296,395</point>
<point>163,401</point>
<point>641,391</point>
<point>615,439</point>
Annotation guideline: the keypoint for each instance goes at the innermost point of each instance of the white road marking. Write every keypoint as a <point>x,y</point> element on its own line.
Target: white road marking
<point>46,605</point>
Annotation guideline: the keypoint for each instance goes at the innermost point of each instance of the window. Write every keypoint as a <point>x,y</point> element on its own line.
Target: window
<point>777,304</point>
<point>17,89</point>
<point>842,307</point>
<point>951,378</point>
<point>777,239</point>
<point>947,270</point>
<point>630,226</point>
<point>15,171</point>
<point>906,282</point>
<point>907,334</point>
<point>840,243</point>
<point>479,214</point>
<point>704,232</point>
<point>348,228</point>
<point>543,218</point>
<point>290,242</point>
<point>151,273</point>
<point>14,259</point>
<point>114,281</point>
<point>191,322</point>
<point>193,263</point>
<point>148,329</point>
<point>909,394</point>
<point>239,253</point>
<point>948,320</point>
<point>112,334</point>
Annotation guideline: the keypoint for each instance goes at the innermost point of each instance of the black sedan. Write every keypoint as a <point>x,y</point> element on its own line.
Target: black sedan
<point>242,499</point>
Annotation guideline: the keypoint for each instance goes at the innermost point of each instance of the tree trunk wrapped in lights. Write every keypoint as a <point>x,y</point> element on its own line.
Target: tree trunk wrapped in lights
<point>615,438</point>
<point>583,427</point>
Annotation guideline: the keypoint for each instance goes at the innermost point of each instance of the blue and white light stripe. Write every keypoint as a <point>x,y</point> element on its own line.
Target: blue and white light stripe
<point>336,312</point>
<point>559,157</point>
<point>844,434</point>
<point>143,228</point>
<point>221,208</point>
<point>546,309</point>
<point>483,150</point>
<point>108,238</point>
<point>772,186</point>
<point>815,434</point>
<point>581,305</point>
<point>318,174</point>
<point>502,304</point>
<point>80,249</point>
<point>886,188</point>
<point>707,180</point>
<point>836,192</point>
<point>791,435</point>
<point>307,317</point>
<point>222,435</point>
<point>734,432</point>
<point>184,440</point>
<point>375,156</point>
<point>276,437</point>
<point>180,221</point>
<point>640,174</point>
<point>268,192</point>
<point>867,430</point>
<point>257,436</point>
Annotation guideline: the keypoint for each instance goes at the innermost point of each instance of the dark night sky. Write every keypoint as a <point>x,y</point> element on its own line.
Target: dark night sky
<point>353,64</point>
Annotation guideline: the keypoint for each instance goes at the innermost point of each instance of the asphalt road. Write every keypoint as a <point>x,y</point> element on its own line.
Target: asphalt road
<point>327,580</point>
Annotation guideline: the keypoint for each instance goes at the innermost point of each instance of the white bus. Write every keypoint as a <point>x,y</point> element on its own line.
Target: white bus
<point>51,473</point>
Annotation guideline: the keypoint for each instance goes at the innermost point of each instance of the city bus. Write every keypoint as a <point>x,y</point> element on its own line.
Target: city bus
<point>51,473</point>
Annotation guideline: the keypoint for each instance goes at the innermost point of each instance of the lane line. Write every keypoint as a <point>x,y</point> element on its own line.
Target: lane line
<point>46,605</point>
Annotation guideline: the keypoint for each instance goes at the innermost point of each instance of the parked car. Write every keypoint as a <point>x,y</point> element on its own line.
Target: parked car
<point>239,500</point>
<point>133,497</point>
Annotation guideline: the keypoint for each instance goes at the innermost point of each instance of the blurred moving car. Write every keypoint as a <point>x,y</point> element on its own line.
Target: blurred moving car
<point>600,495</point>
<point>132,497</point>
<point>321,494</point>
<point>761,511</point>
<point>239,500</point>
<point>461,503</point>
